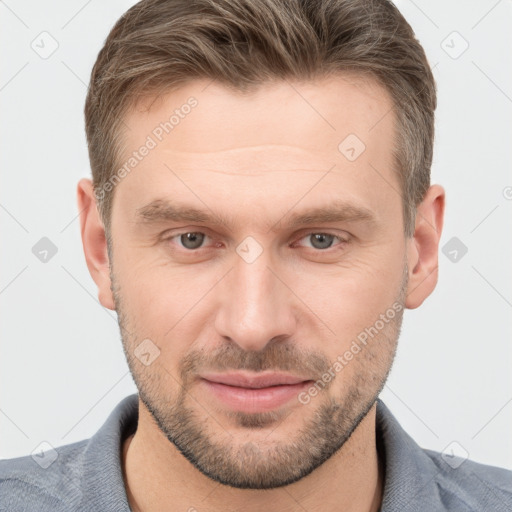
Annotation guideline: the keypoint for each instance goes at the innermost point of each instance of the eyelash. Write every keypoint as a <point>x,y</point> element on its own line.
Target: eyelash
<point>341,240</point>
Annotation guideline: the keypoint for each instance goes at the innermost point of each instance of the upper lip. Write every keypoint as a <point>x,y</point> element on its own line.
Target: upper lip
<point>253,380</point>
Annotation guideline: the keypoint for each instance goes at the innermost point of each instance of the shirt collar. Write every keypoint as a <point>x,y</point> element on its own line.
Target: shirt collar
<point>409,482</point>
<point>102,459</point>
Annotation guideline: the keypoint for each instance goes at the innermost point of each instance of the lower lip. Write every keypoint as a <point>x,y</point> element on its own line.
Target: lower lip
<point>255,400</point>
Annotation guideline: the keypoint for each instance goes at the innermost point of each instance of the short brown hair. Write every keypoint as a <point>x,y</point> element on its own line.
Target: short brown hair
<point>158,45</point>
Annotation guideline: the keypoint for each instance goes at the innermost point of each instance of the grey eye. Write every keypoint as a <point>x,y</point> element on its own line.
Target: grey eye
<point>321,240</point>
<point>192,240</point>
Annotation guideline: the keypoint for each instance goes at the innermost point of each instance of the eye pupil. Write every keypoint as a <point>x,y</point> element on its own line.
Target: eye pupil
<point>192,240</point>
<point>324,240</point>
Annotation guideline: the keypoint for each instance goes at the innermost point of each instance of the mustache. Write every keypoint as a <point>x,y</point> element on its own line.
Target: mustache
<point>277,356</point>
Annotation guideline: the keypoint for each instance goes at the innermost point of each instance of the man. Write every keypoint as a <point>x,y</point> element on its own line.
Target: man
<point>260,216</point>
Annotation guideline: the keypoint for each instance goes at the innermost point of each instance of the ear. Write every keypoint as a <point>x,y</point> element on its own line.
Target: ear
<point>94,242</point>
<point>422,248</point>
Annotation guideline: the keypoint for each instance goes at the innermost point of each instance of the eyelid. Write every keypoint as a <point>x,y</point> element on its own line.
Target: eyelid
<point>204,231</point>
<point>167,237</point>
<point>342,239</point>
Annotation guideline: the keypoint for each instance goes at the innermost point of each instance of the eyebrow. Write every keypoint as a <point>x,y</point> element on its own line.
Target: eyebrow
<point>159,211</point>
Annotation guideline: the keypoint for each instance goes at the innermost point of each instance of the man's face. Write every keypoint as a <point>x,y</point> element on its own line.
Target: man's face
<point>256,288</point>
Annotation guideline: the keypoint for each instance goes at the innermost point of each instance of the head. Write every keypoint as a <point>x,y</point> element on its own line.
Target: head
<point>261,202</point>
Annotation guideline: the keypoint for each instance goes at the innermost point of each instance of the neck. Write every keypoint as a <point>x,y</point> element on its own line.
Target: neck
<point>158,477</point>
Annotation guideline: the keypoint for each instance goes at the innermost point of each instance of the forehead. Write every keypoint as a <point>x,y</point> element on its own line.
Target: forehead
<point>225,118</point>
<point>204,138</point>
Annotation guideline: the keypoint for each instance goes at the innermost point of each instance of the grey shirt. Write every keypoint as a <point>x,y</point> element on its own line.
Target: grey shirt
<point>87,475</point>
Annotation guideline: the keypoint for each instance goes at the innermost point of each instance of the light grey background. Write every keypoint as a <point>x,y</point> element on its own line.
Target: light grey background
<point>62,369</point>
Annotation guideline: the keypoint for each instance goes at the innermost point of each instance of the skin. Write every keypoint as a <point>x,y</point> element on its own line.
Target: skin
<point>257,159</point>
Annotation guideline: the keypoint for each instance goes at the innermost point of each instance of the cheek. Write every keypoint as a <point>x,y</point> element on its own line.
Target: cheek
<point>347,297</point>
<point>165,303</point>
<point>351,298</point>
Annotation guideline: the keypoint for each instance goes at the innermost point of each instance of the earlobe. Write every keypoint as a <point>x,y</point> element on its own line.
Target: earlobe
<point>94,242</point>
<point>423,247</point>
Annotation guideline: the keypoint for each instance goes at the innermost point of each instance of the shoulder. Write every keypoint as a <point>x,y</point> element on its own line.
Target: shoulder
<point>82,476</point>
<point>471,485</point>
<point>418,479</point>
<point>48,480</point>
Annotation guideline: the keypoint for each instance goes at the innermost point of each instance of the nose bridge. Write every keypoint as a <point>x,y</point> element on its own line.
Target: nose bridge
<point>255,305</point>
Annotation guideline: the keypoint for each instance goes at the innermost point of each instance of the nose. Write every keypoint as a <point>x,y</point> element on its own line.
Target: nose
<point>255,305</point>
